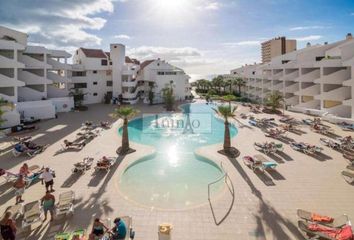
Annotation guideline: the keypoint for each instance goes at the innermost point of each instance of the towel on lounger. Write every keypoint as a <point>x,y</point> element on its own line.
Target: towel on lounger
<point>319,218</point>
<point>344,233</point>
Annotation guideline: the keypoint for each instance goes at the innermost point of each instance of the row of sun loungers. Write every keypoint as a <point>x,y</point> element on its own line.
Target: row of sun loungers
<point>316,226</point>
<point>305,147</point>
<point>270,147</point>
<point>105,163</point>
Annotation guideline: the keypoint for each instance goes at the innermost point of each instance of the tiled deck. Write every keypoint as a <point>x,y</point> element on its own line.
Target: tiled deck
<point>264,206</point>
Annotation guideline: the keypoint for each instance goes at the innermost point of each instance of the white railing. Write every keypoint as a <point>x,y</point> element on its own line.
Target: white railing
<point>224,177</point>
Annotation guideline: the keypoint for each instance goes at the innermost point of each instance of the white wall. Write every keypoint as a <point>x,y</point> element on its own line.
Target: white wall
<point>37,109</point>
<point>65,104</point>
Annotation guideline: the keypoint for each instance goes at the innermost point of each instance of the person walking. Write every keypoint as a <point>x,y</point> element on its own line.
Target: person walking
<point>8,227</point>
<point>48,203</point>
<point>19,186</point>
<point>47,178</point>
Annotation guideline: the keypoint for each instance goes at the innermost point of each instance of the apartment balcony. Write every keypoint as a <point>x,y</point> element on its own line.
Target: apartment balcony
<point>31,62</point>
<point>348,102</point>
<point>338,94</point>
<point>29,94</point>
<point>349,62</point>
<point>310,91</point>
<point>340,111</point>
<point>290,64</point>
<point>10,45</point>
<point>278,87</point>
<point>349,82</point>
<point>56,65</point>
<point>292,88</point>
<point>10,63</point>
<point>129,83</point>
<point>329,63</point>
<point>291,76</point>
<point>6,81</point>
<point>32,79</point>
<point>79,79</point>
<point>309,77</point>
<point>294,100</point>
<point>57,78</point>
<point>312,104</point>
<point>267,85</point>
<point>337,77</point>
<point>59,54</point>
<point>277,76</point>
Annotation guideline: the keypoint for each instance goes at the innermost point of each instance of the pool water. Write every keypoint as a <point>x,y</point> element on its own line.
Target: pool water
<point>174,177</point>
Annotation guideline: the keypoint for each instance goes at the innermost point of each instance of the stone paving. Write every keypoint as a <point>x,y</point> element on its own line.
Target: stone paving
<point>263,206</point>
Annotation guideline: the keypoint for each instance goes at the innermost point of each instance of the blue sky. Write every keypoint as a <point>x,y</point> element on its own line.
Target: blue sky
<point>204,37</point>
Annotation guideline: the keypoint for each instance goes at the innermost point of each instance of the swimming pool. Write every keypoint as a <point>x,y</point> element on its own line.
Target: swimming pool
<point>174,177</point>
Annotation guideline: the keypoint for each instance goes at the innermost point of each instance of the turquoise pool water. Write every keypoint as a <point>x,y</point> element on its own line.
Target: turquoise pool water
<point>174,177</point>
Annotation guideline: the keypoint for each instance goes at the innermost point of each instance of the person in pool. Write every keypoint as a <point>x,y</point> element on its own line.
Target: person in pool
<point>98,230</point>
<point>119,230</point>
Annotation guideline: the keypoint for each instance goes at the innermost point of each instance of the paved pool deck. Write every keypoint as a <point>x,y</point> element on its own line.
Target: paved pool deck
<point>263,206</point>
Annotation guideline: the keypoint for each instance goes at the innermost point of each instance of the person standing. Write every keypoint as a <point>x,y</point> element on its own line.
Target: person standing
<point>47,178</point>
<point>48,203</point>
<point>7,227</point>
<point>19,186</point>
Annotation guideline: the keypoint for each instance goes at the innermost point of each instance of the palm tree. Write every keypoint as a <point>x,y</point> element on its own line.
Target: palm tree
<point>217,82</point>
<point>168,96</point>
<point>125,113</point>
<point>226,112</point>
<point>275,100</point>
<point>229,98</point>
<point>239,82</point>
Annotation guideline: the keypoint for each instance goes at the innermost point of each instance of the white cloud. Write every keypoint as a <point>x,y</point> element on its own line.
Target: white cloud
<point>64,24</point>
<point>122,36</point>
<point>300,28</point>
<point>243,43</point>
<point>213,6</point>
<point>151,52</point>
<point>209,5</point>
<point>352,14</point>
<point>309,38</point>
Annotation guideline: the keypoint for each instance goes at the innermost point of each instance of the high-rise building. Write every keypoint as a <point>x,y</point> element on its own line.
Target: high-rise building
<point>276,47</point>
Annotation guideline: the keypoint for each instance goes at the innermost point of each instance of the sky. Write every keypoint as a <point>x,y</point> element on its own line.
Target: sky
<point>204,37</point>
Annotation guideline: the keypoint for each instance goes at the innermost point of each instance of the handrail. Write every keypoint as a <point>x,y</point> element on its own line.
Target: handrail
<point>232,191</point>
<point>218,180</point>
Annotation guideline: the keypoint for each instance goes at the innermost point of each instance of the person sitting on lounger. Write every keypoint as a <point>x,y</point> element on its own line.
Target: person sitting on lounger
<point>119,230</point>
<point>20,147</point>
<point>98,230</point>
<point>104,162</point>
<point>8,227</point>
<point>316,127</point>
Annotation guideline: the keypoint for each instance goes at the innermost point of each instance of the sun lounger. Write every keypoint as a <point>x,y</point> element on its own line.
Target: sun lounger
<point>318,231</point>
<point>76,235</point>
<point>65,204</point>
<point>31,213</point>
<point>83,166</point>
<point>337,222</point>
<point>330,143</point>
<point>258,162</point>
<point>105,165</point>
<point>348,176</point>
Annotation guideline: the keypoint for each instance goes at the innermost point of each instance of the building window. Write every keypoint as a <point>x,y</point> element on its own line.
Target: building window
<point>160,73</point>
<point>94,83</point>
<point>94,71</point>
<point>104,62</point>
<point>79,74</point>
<point>110,62</point>
<point>109,83</point>
<point>94,94</point>
<point>80,85</point>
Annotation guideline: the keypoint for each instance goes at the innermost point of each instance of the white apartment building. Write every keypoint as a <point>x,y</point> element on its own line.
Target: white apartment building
<point>98,73</point>
<point>318,79</point>
<point>33,78</point>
